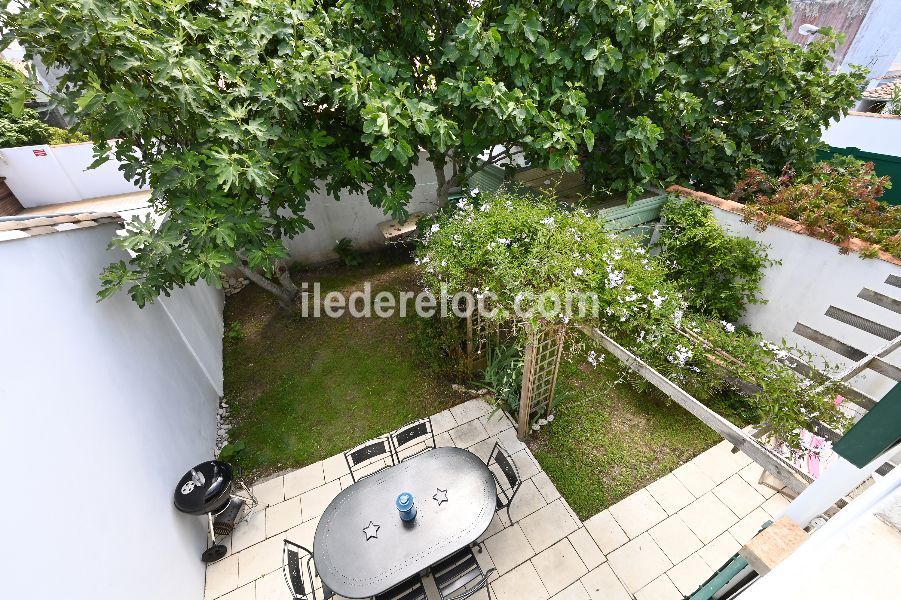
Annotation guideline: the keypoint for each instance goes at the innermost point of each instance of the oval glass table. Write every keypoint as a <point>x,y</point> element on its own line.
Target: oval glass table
<point>362,548</point>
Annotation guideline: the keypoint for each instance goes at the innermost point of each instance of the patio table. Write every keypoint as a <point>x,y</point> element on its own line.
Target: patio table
<point>362,548</point>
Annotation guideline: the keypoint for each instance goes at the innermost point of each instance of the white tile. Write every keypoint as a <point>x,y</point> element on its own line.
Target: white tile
<point>443,421</point>
<point>638,562</point>
<point>708,517</point>
<point>603,584</point>
<point>247,592</point>
<point>559,566</point>
<point>717,463</point>
<point>752,474</point>
<point>221,577</point>
<point>526,501</point>
<point>586,547</point>
<point>314,502</point>
<point>302,534</point>
<point>637,513</point>
<point>526,464</point>
<point>749,525</point>
<point>775,505</point>
<point>499,521</point>
<point>283,516</point>
<point>548,525</point>
<point>717,552</point>
<point>273,587</point>
<point>251,531</point>
<point>689,574</point>
<point>335,467</point>
<point>443,440</point>
<point>270,492</point>
<point>496,422</point>
<point>483,449</point>
<point>546,487</point>
<point>259,559</point>
<point>303,480</point>
<point>697,482</point>
<point>508,548</point>
<point>509,441</point>
<point>470,410</point>
<point>574,592</point>
<point>659,589</point>
<point>675,539</point>
<point>671,494</point>
<point>469,433</point>
<point>522,582</point>
<point>738,495</point>
<point>606,531</point>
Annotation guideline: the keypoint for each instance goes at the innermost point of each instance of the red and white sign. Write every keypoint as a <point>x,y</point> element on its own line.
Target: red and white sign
<point>40,152</point>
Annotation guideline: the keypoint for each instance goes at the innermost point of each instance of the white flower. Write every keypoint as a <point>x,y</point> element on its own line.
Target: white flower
<point>550,418</point>
<point>536,427</point>
<point>677,317</point>
<point>615,278</point>
<point>474,192</point>
<point>549,221</point>
<point>594,358</point>
<point>504,241</point>
<point>485,207</point>
<point>728,327</point>
<point>657,299</point>
<point>435,228</point>
<point>578,272</point>
<point>681,356</point>
<point>542,422</point>
<point>463,204</point>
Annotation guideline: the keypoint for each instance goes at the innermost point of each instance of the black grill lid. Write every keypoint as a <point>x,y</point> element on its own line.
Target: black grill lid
<point>205,488</point>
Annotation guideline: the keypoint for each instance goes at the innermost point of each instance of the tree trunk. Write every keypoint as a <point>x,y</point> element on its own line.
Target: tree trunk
<point>439,160</point>
<point>287,295</point>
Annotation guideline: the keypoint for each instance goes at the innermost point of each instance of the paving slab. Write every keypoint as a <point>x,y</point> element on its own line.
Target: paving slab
<point>717,552</point>
<point>603,584</point>
<point>675,539</point>
<point>638,562</point>
<point>738,495</point>
<point>689,574</point>
<point>586,548</point>
<point>637,513</point>
<point>671,494</point>
<point>303,480</point>
<point>659,589</point>
<point>520,583</point>
<point>508,549</point>
<point>708,517</point>
<point>559,566</point>
<point>606,531</point>
<point>548,525</point>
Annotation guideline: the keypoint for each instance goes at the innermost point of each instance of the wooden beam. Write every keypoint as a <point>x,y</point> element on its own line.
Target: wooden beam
<point>795,479</point>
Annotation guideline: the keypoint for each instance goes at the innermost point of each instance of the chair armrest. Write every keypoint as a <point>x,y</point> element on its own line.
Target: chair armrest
<point>477,588</point>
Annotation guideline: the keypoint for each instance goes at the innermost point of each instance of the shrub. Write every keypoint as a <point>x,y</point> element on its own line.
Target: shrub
<point>719,274</point>
<point>837,200</point>
<point>26,128</point>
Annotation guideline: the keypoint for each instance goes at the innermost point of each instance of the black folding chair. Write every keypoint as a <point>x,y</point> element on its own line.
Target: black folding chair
<point>508,481</point>
<point>411,589</point>
<point>412,439</point>
<point>297,565</point>
<point>460,576</point>
<point>369,457</point>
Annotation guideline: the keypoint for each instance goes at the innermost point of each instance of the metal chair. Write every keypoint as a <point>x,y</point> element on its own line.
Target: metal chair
<point>411,589</point>
<point>369,457</point>
<point>412,439</point>
<point>297,565</point>
<point>460,572</point>
<point>501,459</point>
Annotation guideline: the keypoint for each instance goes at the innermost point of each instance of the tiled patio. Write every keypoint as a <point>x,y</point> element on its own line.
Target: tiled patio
<point>658,544</point>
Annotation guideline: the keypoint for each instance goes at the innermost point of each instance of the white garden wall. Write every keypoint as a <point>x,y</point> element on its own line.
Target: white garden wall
<point>354,218</point>
<point>104,407</point>
<point>812,277</point>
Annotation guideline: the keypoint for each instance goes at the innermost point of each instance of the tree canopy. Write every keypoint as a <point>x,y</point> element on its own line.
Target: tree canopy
<point>234,111</point>
<point>21,125</point>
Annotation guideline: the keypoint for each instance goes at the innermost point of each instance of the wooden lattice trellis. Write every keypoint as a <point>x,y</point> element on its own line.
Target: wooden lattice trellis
<point>539,374</point>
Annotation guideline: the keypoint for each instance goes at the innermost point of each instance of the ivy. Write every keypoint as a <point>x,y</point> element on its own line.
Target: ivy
<point>719,274</point>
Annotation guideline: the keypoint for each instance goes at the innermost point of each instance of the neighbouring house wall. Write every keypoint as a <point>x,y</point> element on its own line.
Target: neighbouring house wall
<point>867,131</point>
<point>841,15</point>
<point>812,277</point>
<point>104,408</point>
<point>353,217</point>
<point>41,175</point>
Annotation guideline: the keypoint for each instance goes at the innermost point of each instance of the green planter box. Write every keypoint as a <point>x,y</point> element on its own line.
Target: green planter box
<point>886,165</point>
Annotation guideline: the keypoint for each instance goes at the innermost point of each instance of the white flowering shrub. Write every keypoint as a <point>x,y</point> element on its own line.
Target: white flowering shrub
<point>509,247</point>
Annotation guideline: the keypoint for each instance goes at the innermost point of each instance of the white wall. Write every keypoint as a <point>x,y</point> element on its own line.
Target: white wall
<point>353,217</point>
<point>41,175</point>
<point>812,277</point>
<point>104,407</point>
<point>877,41</point>
<point>868,132</point>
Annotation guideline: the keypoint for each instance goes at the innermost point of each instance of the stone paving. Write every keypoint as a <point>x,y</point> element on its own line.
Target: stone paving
<point>660,543</point>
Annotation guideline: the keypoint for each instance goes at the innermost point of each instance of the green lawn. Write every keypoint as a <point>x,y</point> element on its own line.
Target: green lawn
<point>301,390</point>
<point>608,440</point>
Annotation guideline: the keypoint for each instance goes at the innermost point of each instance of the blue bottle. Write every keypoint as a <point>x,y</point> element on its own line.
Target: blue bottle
<point>406,507</point>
